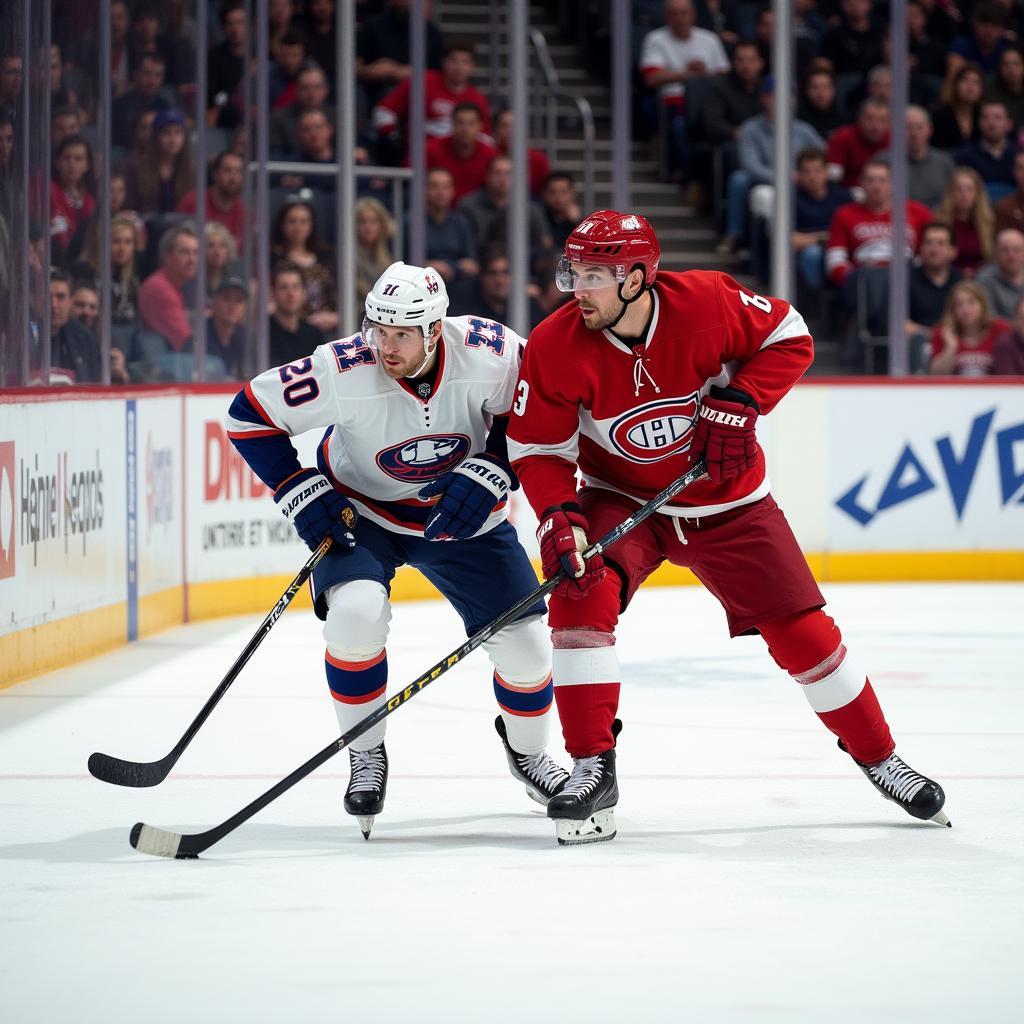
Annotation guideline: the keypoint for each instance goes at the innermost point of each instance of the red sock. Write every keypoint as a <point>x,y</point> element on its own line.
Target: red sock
<point>587,712</point>
<point>809,646</point>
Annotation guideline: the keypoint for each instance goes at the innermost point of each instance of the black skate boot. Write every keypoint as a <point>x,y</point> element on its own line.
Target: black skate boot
<point>542,776</point>
<point>583,811</point>
<point>898,782</point>
<point>366,788</point>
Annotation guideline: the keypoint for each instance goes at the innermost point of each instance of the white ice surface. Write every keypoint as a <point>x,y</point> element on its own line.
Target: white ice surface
<point>756,875</point>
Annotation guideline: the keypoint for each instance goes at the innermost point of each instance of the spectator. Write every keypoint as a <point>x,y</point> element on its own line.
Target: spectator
<point>147,41</point>
<point>7,169</point>
<point>755,149</point>
<point>1008,85</point>
<point>861,232</point>
<point>927,54</point>
<point>120,66</point>
<point>319,29</point>
<point>158,182</point>
<point>443,91</point>
<point>71,199</point>
<point>316,146</point>
<point>281,14</point>
<point>142,132</point>
<point>64,121</point>
<point>221,258</point>
<point>124,280</point>
<point>985,43</point>
<point>289,59</point>
<point>1003,279</point>
<point>85,305</point>
<point>963,342</point>
<point>764,29</point>
<point>148,93</point>
<point>538,165</point>
<point>450,243</point>
<point>161,298</point>
<point>929,168</point>
<point>382,49</point>
<point>852,145</point>
<point>118,193</point>
<point>60,94</point>
<point>668,57</point>
<point>561,206</point>
<point>966,207</point>
<point>486,297</point>
<point>291,337</point>
<point>931,280</point>
<point>223,196</point>
<point>992,154</point>
<point>955,119</point>
<point>1008,352</point>
<point>73,347</point>
<point>225,65</point>
<point>548,295</point>
<point>735,97</point>
<point>817,200</point>
<point>11,78</point>
<point>374,231</point>
<point>818,105</point>
<point>296,240</point>
<point>855,43</point>
<point>465,155</point>
<point>487,210</point>
<point>225,335</point>
<point>311,90</point>
<point>1009,211</point>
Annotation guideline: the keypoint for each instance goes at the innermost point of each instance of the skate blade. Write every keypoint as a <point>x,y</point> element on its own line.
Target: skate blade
<point>598,828</point>
<point>941,818</point>
<point>365,824</point>
<point>537,796</point>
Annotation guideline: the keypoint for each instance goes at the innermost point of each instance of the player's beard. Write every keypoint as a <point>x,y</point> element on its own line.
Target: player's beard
<point>598,321</point>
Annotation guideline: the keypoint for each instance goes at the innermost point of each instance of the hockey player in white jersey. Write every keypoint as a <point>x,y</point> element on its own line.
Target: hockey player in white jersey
<point>414,455</point>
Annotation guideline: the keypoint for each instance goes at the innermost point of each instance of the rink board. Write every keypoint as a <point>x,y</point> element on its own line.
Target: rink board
<point>122,513</point>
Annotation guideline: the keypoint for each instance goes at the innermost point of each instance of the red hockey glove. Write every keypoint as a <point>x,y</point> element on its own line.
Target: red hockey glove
<point>724,433</point>
<point>563,538</point>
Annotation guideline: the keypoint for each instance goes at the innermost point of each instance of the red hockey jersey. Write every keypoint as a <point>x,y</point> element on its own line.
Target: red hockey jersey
<point>625,414</point>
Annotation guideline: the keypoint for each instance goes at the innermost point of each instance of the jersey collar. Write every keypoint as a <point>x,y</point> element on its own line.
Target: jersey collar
<point>410,385</point>
<point>624,346</point>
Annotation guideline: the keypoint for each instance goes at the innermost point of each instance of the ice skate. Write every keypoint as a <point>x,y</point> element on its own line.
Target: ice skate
<point>542,776</point>
<point>584,810</point>
<point>918,795</point>
<point>364,797</point>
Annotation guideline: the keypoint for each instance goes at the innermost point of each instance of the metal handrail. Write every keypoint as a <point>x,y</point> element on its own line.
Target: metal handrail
<point>553,93</point>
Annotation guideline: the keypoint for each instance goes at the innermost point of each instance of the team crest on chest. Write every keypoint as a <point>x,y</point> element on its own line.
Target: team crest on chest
<point>656,430</point>
<point>423,458</point>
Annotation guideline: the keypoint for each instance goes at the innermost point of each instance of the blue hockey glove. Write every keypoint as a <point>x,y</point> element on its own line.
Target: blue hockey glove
<point>468,496</point>
<point>316,509</point>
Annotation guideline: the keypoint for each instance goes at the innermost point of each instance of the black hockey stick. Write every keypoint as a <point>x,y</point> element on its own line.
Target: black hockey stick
<point>152,773</point>
<point>161,843</point>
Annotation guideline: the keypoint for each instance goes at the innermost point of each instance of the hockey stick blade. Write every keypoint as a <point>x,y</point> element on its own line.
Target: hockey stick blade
<point>161,843</point>
<point>141,774</point>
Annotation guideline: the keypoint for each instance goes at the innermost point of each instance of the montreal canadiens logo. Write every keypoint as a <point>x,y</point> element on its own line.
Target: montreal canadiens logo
<point>423,458</point>
<point>655,431</point>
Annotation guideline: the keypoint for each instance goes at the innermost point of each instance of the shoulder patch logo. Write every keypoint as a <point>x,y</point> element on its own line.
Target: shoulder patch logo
<point>656,430</point>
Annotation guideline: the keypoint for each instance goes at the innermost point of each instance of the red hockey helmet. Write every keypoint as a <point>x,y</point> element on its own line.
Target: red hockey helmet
<point>621,241</point>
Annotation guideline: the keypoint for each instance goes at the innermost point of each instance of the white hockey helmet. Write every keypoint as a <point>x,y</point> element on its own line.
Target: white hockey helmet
<point>409,296</point>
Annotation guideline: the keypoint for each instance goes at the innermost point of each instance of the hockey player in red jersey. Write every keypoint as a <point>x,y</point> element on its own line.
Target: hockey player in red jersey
<point>631,383</point>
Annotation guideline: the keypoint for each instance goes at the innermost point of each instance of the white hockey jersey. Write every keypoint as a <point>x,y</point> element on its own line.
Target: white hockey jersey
<point>384,441</point>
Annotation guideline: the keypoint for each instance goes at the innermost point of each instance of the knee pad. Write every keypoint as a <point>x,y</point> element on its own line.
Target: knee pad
<point>802,641</point>
<point>598,609</point>
<point>521,653</point>
<point>358,614</point>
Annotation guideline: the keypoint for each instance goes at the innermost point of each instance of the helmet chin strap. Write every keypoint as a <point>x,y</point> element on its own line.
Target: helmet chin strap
<point>427,354</point>
<point>626,303</point>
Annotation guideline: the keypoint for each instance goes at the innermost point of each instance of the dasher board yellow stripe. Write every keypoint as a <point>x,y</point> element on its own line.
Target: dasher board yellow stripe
<point>53,645</point>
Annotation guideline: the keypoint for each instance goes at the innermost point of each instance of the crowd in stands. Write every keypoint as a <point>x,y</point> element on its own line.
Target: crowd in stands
<point>703,88</point>
<point>707,93</point>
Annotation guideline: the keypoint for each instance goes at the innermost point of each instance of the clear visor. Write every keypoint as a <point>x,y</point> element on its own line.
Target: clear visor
<point>405,337</point>
<point>587,277</point>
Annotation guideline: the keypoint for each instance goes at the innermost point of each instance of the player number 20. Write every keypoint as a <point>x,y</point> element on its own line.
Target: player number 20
<point>298,392</point>
<point>758,301</point>
<point>522,394</point>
